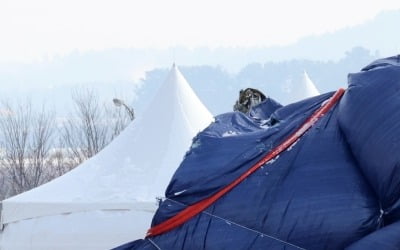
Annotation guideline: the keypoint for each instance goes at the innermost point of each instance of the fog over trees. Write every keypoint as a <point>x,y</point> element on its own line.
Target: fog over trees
<point>42,140</point>
<point>218,89</point>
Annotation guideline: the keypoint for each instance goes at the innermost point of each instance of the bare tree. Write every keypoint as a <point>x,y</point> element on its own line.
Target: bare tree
<point>4,187</point>
<point>82,133</point>
<point>59,162</point>
<point>26,141</point>
<point>29,155</point>
<point>92,126</point>
<point>118,119</point>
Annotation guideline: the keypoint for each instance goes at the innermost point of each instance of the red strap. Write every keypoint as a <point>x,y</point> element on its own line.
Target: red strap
<point>198,207</point>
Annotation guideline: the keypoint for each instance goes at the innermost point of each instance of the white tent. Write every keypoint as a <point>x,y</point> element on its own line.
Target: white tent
<point>309,87</point>
<point>300,89</point>
<point>110,199</point>
<point>306,88</point>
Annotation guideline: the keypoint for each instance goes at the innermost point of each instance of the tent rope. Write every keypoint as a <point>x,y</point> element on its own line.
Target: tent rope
<point>243,226</point>
<point>154,244</point>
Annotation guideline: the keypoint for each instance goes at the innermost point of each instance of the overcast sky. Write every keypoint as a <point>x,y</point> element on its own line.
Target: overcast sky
<point>31,30</point>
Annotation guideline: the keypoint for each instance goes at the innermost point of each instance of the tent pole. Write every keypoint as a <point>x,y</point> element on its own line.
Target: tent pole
<point>1,216</point>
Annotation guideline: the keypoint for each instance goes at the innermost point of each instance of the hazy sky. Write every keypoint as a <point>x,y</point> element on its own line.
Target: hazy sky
<point>31,30</point>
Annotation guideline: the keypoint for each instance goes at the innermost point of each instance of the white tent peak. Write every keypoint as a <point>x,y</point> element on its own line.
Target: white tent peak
<point>128,174</point>
<point>311,89</point>
<point>299,88</point>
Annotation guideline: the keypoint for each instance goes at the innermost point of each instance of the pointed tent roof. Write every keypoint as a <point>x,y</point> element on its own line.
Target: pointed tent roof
<point>309,87</point>
<point>132,170</point>
<point>302,89</point>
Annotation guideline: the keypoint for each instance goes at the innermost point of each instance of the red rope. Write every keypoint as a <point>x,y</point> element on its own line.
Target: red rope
<point>198,207</point>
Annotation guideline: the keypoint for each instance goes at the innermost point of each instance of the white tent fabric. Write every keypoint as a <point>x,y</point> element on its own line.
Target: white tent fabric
<point>306,88</point>
<point>300,89</point>
<point>309,87</point>
<point>110,198</point>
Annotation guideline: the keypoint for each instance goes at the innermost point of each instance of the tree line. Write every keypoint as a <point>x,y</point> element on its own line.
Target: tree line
<point>218,89</point>
<point>36,146</point>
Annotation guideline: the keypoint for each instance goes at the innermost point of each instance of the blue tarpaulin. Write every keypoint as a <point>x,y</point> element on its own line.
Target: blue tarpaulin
<point>337,187</point>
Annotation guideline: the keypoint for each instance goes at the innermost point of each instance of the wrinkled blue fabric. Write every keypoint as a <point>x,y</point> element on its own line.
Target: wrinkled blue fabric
<point>337,187</point>
<point>370,119</point>
<point>264,110</point>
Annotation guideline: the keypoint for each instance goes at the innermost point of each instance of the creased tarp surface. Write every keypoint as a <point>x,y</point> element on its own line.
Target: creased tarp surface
<point>337,187</point>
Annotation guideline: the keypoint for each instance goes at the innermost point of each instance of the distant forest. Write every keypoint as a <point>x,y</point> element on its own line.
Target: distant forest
<point>54,139</point>
<point>219,89</point>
